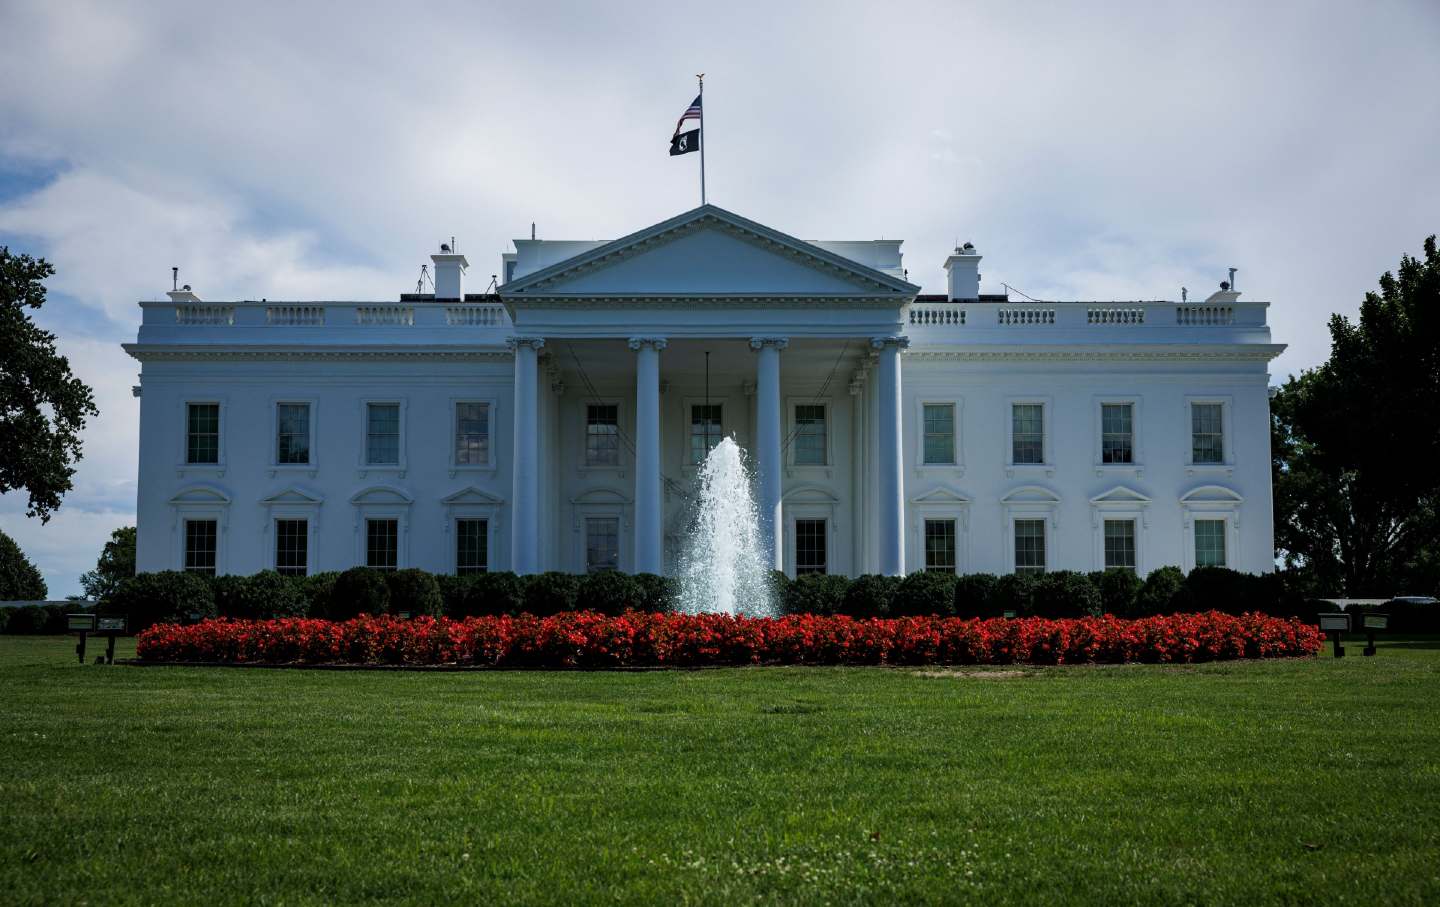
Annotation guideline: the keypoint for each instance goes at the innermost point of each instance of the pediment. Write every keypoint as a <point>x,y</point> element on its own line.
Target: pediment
<point>809,494</point>
<point>472,495</point>
<point>600,496</point>
<point>1211,494</point>
<point>708,252</point>
<point>1031,494</point>
<point>381,494</point>
<point>293,496</point>
<point>200,494</point>
<point>940,496</point>
<point>1120,495</point>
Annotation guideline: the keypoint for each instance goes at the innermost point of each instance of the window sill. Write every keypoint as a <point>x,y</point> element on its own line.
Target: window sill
<point>398,471</point>
<point>617,470</point>
<point>202,469</point>
<point>457,468</point>
<point>812,470</point>
<point>1200,469</point>
<point>940,468</point>
<point>1029,469</point>
<point>309,470</point>
<point>1103,468</point>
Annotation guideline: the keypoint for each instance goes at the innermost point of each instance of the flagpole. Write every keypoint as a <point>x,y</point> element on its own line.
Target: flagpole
<point>703,140</point>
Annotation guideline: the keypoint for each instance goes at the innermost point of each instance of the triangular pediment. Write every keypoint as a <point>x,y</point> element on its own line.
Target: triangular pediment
<point>940,496</point>
<point>472,495</point>
<point>707,252</point>
<point>293,495</point>
<point>1120,495</point>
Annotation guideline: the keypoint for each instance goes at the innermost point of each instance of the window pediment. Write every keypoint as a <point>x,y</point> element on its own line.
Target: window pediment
<point>942,496</point>
<point>201,494</point>
<point>1120,496</point>
<point>382,495</point>
<point>1031,494</point>
<point>1211,494</point>
<point>294,497</point>
<point>600,496</point>
<point>470,495</point>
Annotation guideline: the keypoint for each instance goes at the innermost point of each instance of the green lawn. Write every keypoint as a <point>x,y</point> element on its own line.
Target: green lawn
<point>1281,782</point>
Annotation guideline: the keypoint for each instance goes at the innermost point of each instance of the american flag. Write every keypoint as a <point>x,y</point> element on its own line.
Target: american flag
<point>691,113</point>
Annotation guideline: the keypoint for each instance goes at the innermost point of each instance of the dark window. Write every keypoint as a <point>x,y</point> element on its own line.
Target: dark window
<point>602,434</point>
<point>1209,543</point>
<point>1117,433</point>
<point>382,544</point>
<point>382,434</point>
<point>472,434</point>
<point>200,537</point>
<point>472,546</point>
<point>1027,433</point>
<point>810,436</point>
<point>940,546</point>
<point>1120,544</point>
<point>602,544</point>
<point>1207,433</point>
<point>292,547</point>
<point>202,443</point>
<point>704,430</point>
<point>293,433</point>
<point>809,547</point>
<point>1029,546</point>
<point>939,446</point>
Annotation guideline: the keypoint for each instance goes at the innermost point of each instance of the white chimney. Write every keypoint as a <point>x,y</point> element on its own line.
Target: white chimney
<point>962,270</point>
<point>449,272</point>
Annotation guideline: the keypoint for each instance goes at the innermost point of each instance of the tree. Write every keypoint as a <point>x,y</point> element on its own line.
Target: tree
<point>42,405</point>
<point>1354,442</point>
<point>116,564</point>
<point>19,580</point>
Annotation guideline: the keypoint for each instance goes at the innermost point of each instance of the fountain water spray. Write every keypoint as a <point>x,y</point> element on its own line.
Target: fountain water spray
<point>723,568</point>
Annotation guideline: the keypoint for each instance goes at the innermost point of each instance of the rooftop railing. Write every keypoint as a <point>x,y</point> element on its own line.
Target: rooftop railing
<point>1102,319</point>
<point>266,314</point>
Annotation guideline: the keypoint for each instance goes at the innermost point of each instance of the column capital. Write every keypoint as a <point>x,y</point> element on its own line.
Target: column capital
<point>535,343</point>
<point>759,343</point>
<point>900,341</point>
<point>659,343</point>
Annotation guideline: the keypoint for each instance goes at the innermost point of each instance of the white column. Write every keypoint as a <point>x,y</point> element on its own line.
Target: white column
<point>649,534</point>
<point>768,452</point>
<point>525,497</point>
<point>890,525</point>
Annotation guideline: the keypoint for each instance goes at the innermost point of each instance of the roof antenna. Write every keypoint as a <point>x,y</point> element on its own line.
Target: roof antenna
<point>532,229</point>
<point>1232,279</point>
<point>174,278</point>
<point>1184,295</point>
<point>424,276</point>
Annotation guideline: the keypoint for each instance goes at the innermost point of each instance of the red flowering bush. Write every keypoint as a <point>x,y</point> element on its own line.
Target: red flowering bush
<point>587,639</point>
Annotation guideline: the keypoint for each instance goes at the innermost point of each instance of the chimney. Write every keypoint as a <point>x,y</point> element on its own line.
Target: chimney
<point>962,270</point>
<point>450,268</point>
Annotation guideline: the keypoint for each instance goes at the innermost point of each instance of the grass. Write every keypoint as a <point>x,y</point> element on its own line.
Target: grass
<point>1268,782</point>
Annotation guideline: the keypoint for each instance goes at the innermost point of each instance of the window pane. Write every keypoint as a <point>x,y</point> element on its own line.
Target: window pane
<point>1117,434</point>
<point>602,434</point>
<point>705,424</point>
<point>1207,434</point>
<point>1027,433</point>
<point>472,546</point>
<point>809,435</point>
<point>940,546</point>
<point>1209,543</point>
<point>939,433</point>
<point>292,547</point>
<point>293,433</point>
<point>1120,543</point>
<point>472,434</point>
<point>382,433</point>
<point>1029,546</point>
<point>202,443</point>
<point>382,546</point>
<point>602,544</point>
<point>200,537</point>
<point>809,547</point>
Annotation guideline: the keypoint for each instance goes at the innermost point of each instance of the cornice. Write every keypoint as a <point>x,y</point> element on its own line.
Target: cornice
<point>234,354</point>
<point>1260,353</point>
<point>685,300</point>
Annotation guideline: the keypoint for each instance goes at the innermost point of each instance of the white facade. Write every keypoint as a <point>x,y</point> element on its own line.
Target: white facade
<point>550,426</point>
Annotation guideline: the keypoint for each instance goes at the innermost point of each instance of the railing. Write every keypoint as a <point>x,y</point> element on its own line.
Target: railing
<point>1124,314</point>
<point>488,316</point>
<point>1115,320</point>
<point>1204,314</point>
<point>929,316</point>
<point>204,314</point>
<point>295,315</point>
<point>385,315</point>
<point>1024,316</point>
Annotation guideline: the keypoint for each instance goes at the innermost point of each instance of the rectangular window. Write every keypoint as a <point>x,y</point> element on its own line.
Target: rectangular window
<point>1209,543</point>
<point>602,544</point>
<point>602,434</point>
<point>809,547</point>
<point>1029,546</point>
<point>382,544</point>
<point>292,428</point>
<point>202,433</point>
<point>1117,433</point>
<point>292,547</point>
<point>704,430</point>
<point>472,546</point>
<point>1207,433</point>
<point>1027,433</point>
<point>1120,544</point>
<point>472,434</point>
<point>810,435</point>
<point>939,433</point>
<point>200,538</point>
<point>940,546</point>
<point>382,434</point>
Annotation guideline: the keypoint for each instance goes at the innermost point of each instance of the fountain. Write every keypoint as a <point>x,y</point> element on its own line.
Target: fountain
<point>722,568</point>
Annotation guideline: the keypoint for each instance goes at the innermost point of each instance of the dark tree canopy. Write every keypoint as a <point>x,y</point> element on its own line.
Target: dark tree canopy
<point>43,406</point>
<point>116,564</point>
<point>1355,443</point>
<point>19,579</point>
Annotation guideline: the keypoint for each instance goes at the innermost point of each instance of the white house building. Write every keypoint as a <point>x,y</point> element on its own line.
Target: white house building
<point>556,424</point>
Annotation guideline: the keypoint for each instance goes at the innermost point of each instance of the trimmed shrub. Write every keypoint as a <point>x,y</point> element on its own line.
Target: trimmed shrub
<point>1159,591</point>
<point>609,592</point>
<point>415,591</point>
<point>815,593</point>
<point>27,620</point>
<point>551,592</point>
<point>657,594</point>
<point>870,595</point>
<point>493,594</point>
<point>226,589</point>
<point>1066,593</point>
<point>1014,592</point>
<point>1218,589</point>
<point>1119,588</point>
<point>316,590</point>
<point>5,618</point>
<point>260,597</point>
<point>923,594</point>
<point>164,597</point>
<point>453,590</point>
<point>975,595</point>
<point>359,590</point>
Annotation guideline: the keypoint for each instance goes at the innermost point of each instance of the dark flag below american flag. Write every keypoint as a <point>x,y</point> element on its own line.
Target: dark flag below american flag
<point>688,141</point>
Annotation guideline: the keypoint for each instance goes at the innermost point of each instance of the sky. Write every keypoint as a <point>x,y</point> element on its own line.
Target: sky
<point>303,150</point>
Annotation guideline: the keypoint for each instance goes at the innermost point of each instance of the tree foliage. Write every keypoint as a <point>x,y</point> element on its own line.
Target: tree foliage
<point>19,579</point>
<point>116,564</point>
<point>1354,443</point>
<point>43,406</point>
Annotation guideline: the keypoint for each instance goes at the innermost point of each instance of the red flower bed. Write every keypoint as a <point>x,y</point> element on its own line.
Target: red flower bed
<point>589,640</point>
